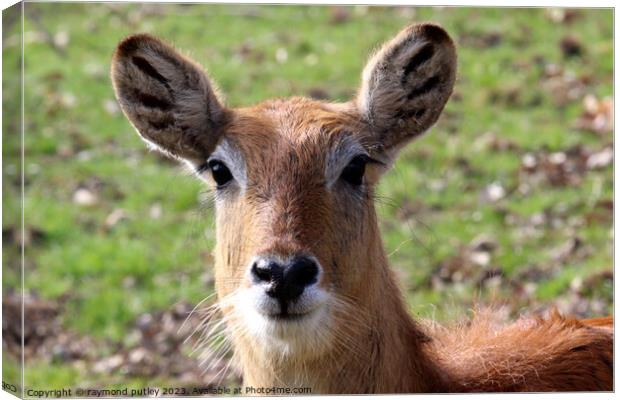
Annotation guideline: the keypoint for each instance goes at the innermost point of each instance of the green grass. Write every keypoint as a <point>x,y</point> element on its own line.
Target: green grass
<point>144,264</point>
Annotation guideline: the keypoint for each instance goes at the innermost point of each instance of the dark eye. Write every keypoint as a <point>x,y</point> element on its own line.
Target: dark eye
<point>220,172</point>
<point>354,172</point>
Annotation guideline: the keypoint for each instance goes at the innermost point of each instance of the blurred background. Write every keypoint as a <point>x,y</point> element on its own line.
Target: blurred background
<point>508,200</point>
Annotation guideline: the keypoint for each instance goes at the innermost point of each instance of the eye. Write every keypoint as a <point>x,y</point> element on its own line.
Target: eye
<point>354,172</point>
<point>220,172</point>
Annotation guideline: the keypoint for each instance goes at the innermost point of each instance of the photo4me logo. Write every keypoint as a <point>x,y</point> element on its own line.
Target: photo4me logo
<point>274,390</point>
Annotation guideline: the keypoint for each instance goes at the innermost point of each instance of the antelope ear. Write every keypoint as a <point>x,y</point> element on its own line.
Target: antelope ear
<point>406,84</point>
<point>167,98</point>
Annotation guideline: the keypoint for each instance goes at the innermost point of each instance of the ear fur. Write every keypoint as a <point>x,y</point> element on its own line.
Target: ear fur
<point>167,97</point>
<point>406,84</point>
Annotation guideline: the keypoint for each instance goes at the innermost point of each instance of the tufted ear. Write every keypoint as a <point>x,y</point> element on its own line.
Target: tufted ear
<point>406,84</point>
<point>167,97</point>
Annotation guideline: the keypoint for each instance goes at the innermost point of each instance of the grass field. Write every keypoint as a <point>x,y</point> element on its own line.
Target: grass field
<point>508,200</point>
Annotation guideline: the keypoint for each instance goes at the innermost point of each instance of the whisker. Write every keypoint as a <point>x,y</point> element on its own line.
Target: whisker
<point>193,310</point>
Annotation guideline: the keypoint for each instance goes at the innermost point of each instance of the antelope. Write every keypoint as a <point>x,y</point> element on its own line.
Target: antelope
<point>301,274</point>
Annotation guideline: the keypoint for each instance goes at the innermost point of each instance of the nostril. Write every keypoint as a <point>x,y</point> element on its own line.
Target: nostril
<point>303,272</point>
<point>262,272</point>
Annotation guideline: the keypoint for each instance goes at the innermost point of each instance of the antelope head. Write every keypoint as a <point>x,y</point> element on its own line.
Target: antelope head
<point>298,250</point>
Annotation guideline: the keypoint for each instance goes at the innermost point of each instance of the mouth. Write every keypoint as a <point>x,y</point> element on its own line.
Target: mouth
<point>288,317</point>
<point>286,331</point>
<point>307,306</point>
<point>276,324</point>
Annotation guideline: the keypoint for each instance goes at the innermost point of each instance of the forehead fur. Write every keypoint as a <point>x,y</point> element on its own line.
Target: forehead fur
<point>297,127</point>
<point>297,119</point>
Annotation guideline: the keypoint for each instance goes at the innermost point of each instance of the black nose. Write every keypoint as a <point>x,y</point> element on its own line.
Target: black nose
<point>286,281</point>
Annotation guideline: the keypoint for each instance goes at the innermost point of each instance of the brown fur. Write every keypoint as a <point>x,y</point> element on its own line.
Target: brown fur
<point>533,354</point>
<point>286,204</point>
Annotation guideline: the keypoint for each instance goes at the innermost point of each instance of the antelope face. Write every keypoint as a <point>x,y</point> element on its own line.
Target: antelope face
<point>293,180</point>
<point>293,199</point>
